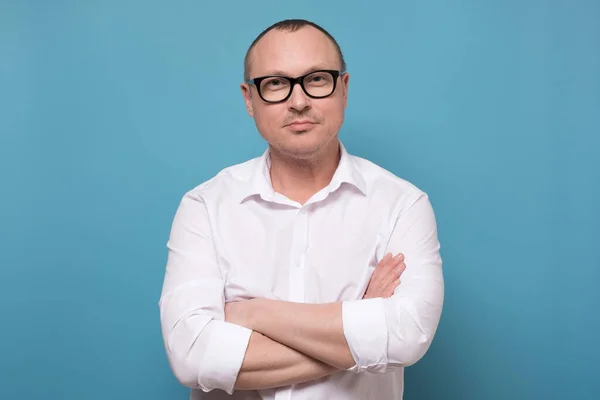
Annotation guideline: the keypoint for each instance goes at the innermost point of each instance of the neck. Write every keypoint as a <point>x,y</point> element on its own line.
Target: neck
<point>300,179</point>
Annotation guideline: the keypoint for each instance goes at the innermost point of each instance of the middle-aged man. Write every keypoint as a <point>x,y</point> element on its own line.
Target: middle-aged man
<point>282,280</point>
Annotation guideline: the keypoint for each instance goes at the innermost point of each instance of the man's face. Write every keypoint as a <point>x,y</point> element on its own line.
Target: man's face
<point>294,54</point>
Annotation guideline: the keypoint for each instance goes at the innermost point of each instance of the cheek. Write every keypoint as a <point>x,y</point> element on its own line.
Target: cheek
<point>268,120</point>
<point>334,114</point>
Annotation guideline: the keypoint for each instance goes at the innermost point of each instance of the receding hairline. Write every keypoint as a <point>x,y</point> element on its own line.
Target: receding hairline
<point>290,25</point>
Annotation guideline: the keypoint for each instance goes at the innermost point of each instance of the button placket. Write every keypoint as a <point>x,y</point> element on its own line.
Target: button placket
<point>296,282</point>
<point>296,273</point>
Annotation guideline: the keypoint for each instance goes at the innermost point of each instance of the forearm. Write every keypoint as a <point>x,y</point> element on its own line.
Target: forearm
<point>312,329</point>
<point>269,364</point>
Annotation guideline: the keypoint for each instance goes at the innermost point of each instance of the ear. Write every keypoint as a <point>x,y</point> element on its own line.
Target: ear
<point>345,81</point>
<point>247,94</point>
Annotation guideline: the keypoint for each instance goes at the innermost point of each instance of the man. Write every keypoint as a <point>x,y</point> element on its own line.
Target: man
<point>280,282</point>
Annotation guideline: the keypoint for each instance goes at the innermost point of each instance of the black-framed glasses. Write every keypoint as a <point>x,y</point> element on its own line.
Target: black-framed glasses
<point>277,88</point>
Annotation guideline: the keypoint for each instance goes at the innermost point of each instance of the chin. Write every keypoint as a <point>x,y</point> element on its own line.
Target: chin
<point>304,143</point>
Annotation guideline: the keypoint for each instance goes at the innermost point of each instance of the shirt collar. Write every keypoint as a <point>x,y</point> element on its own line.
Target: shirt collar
<point>259,182</point>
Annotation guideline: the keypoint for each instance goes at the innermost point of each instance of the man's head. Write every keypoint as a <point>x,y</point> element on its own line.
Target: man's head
<point>298,123</point>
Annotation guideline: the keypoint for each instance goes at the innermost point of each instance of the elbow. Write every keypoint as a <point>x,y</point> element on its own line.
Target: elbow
<point>199,357</point>
<point>408,346</point>
<point>184,369</point>
<point>185,377</point>
<point>184,344</point>
<point>413,350</point>
<point>401,355</point>
<point>413,331</point>
<point>188,370</point>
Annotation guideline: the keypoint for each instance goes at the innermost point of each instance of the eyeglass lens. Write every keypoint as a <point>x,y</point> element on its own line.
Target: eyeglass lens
<point>317,84</point>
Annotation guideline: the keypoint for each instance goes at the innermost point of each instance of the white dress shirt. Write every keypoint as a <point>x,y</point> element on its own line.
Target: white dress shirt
<point>233,237</point>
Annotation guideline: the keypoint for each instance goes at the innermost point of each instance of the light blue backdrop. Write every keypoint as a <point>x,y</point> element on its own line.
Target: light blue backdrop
<point>111,110</point>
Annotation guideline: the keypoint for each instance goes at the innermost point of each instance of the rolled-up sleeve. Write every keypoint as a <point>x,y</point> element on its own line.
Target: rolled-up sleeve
<point>398,331</point>
<point>204,351</point>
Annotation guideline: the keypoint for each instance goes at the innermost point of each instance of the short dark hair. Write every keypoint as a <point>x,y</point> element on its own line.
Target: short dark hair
<point>291,25</point>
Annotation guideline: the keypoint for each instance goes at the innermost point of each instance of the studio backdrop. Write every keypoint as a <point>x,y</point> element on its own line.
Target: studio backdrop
<point>111,110</point>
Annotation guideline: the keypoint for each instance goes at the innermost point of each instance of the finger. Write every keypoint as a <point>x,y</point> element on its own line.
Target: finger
<point>400,269</point>
<point>398,258</point>
<point>395,272</point>
<point>392,278</point>
<point>385,260</point>
<point>391,264</point>
<point>389,290</point>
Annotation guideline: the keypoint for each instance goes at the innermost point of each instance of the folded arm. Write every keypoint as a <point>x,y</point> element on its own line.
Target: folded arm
<point>204,350</point>
<point>269,364</point>
<point>369,334</point>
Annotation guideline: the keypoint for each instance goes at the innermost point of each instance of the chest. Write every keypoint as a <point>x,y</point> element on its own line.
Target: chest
<point>319,253</point>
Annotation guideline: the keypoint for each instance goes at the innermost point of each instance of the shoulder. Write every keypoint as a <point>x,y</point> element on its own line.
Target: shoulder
<point>227,182</point>
<point>382,182</point>
<point>396,197</point>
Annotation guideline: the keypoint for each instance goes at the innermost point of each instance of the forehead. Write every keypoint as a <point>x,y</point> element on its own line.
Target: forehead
<point>293,53</point>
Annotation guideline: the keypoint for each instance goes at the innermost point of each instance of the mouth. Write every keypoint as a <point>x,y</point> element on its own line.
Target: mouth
<point>302,125</point>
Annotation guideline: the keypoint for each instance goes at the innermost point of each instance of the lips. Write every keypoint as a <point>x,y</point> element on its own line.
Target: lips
<point>300,125</point>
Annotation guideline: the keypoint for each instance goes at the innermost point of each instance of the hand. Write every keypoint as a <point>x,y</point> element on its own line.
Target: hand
<point>239,312</point>
<point>386,277</point>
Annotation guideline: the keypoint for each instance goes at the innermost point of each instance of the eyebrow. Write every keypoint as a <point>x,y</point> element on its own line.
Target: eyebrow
<point>306,71</point>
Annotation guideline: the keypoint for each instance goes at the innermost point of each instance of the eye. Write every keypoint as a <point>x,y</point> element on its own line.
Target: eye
<point>274,83</point>
<point>318,79</point>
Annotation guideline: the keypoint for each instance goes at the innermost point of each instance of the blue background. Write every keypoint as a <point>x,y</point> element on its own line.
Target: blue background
<point>111,110</point>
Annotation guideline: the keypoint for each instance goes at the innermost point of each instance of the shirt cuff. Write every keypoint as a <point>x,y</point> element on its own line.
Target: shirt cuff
<point>222,360</point>
<point>365,329</point>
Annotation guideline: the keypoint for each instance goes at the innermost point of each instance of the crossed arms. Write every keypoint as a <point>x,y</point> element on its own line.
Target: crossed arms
<point>263,343</point>
<point>313,332</point>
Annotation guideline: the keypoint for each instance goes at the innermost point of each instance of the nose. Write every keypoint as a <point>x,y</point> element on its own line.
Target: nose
<point>298,100</point>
